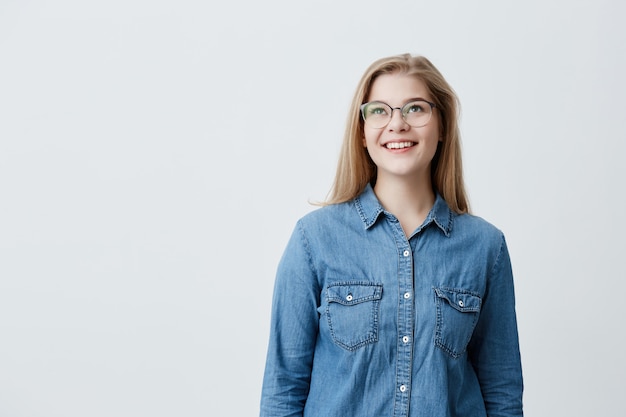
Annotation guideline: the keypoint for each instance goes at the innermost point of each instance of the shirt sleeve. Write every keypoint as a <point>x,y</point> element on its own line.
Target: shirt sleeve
<point>293,331</point>
<point>494,348</point>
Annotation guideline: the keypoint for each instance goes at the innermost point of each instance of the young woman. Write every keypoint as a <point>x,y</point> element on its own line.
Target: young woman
<point>393,300</point>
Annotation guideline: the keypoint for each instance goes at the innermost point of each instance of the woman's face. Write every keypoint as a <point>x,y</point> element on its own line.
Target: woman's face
<point>400,150</point>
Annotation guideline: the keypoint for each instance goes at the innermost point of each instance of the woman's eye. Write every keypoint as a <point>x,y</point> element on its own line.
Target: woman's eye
<point>415,108</point>
<point>378,110</point>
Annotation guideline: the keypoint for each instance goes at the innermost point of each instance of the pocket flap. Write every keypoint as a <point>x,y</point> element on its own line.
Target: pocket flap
<point>349,293</point>
<point>461,300</point>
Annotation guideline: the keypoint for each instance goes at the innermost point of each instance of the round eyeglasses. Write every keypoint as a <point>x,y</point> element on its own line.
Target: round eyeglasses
<point>415,113</point>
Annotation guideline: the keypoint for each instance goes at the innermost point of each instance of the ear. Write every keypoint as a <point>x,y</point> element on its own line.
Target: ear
<point>364,143</point>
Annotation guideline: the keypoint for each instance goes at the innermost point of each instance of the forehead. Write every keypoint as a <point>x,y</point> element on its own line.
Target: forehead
<point>397,88</point>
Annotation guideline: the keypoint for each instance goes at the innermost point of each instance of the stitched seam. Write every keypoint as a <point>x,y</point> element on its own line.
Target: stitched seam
<point>497,263</point>
<point>307,248</point>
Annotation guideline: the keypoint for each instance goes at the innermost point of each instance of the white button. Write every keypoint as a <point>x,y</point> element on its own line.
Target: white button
<point>406,253</point>
<point>402,388</point>
<point>349,297</point>
<point>405,339</point>
<point>407,295</point>
<point>461,303</point>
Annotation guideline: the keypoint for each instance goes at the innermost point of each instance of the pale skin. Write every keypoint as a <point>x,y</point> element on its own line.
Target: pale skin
<point>403,184</point>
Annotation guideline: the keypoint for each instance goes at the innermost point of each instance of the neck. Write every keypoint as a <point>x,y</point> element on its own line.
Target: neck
<point>410,200</point>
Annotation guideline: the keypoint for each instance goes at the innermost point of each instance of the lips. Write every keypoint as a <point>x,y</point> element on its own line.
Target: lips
<point>399,145</point>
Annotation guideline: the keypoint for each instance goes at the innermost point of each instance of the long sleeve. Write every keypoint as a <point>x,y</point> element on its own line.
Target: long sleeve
<point>494,348</point>
<point>293,332</point>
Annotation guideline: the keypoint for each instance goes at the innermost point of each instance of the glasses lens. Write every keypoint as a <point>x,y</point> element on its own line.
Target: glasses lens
<point>417,113</point>
<point>376,114</point>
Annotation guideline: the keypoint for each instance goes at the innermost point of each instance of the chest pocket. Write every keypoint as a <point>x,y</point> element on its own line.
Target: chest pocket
<point>457,314</point>
<point>352,312</point>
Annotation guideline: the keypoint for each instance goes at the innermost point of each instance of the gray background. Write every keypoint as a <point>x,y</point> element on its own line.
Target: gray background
<point>155,155</point>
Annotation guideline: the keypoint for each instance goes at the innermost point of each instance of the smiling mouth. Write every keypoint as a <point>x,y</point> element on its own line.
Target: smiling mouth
<point>399,145</point>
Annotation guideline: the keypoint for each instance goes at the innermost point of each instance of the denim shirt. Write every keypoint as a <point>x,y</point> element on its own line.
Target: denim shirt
<point>366,322</point>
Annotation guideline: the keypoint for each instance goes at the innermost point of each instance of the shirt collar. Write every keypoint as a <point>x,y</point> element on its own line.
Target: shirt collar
<point>370,209</point>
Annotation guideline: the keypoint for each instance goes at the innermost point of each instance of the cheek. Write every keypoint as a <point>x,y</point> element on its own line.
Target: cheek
<point>434,134</point>
<point>370,137</point>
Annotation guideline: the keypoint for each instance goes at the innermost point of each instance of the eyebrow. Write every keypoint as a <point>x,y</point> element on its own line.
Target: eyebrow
<point>405,102</point>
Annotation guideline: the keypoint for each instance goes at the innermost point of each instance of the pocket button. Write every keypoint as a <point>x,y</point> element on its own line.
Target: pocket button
<point>349,297</point>
<point>461,303</point>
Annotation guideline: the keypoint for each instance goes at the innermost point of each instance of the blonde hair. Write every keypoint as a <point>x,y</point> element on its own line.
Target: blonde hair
<point>356,169</point>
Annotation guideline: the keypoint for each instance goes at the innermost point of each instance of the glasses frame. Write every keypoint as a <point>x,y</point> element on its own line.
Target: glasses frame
<point>432,106</point>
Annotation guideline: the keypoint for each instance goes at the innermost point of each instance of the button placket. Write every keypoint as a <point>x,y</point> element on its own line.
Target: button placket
<point>405,328</point>
<point>405,324</point>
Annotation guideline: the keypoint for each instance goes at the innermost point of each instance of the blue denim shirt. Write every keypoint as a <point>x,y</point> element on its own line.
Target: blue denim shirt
<point>366,322</point>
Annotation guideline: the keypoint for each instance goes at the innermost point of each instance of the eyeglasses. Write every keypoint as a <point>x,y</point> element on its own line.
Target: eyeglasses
<point>415,113</point>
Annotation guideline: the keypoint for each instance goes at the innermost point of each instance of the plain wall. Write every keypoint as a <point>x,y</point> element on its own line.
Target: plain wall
<point>155,155</point>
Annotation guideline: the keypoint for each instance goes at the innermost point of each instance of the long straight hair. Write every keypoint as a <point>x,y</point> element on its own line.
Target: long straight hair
<point>356,169</point>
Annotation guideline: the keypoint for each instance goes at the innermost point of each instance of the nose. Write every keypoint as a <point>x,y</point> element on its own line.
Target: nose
<point>397,122</point>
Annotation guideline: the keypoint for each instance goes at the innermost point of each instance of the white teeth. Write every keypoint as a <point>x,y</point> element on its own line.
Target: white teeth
<point>399,145</point>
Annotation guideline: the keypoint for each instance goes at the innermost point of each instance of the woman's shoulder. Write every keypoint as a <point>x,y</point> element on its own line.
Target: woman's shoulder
<point>476,227</point>
<point>480,238</point>
<point>328,213</point>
